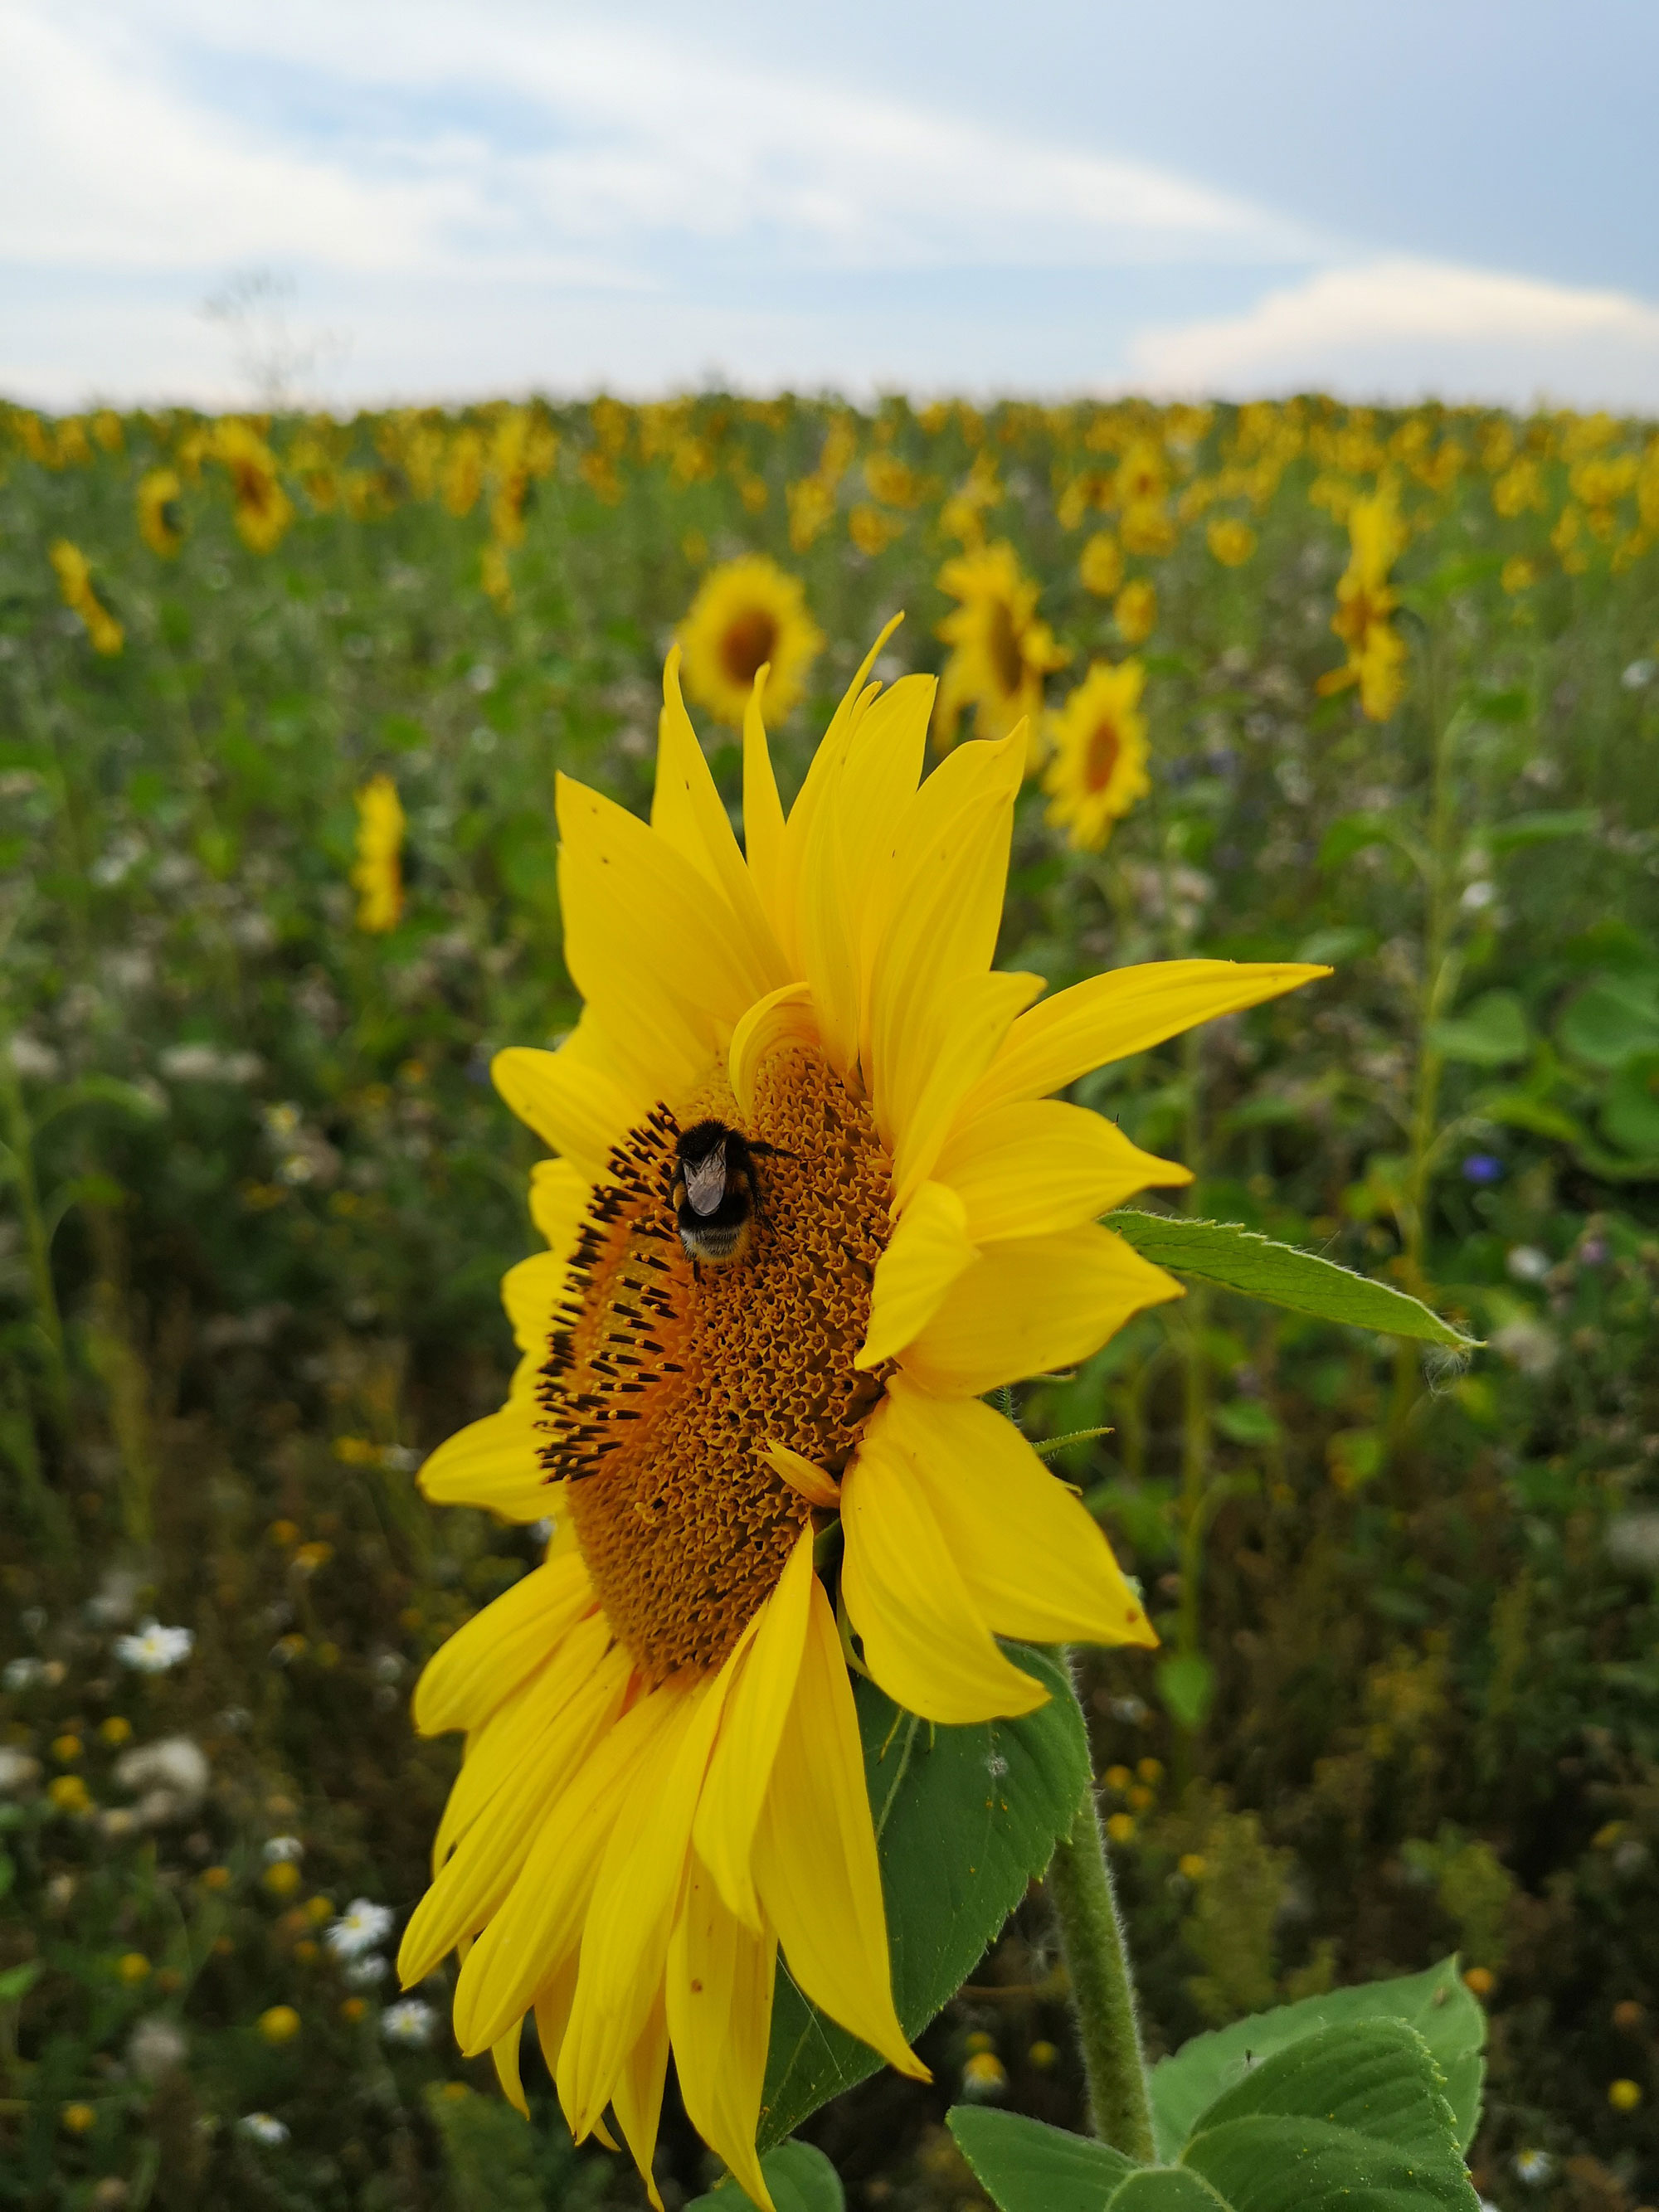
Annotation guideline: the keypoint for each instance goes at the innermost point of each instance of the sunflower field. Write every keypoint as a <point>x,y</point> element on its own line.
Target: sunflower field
<point>284,701</point>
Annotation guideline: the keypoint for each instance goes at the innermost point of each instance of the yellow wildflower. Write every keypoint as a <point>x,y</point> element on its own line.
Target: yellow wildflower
<point>1623,2096</point>
<point>377,876</point>
<point>461,478</point>
<point>279,2024</point>
<point>748,614</point>
<point>68,1794</point>
<point>1099,740</point>
<point>662,1788</point>
<point>1519,574</point>
<point>79,2119</point>
<point>1232,542</point>
<point>133,1967</point>
<point>871,530</point>
<point>1135,611</point>
<point>812,504</point>
<point>1001,649</point>
<point>160,524</point>
<point>74,574</point>
<point>495,576</point>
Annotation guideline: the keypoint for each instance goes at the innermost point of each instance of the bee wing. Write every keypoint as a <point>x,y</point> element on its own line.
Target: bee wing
<point>705,1179</point>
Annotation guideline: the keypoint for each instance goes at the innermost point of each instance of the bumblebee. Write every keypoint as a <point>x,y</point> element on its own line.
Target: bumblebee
<point>716,1197</point>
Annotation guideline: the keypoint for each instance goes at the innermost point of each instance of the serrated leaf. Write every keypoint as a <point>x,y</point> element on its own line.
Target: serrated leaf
<point>1165,2188</point>
<point>1436,2003</point>
<point>1024,2166</point>
<point>800,2177</point>
<point>1238,1258</point>
<point>966,1818</point>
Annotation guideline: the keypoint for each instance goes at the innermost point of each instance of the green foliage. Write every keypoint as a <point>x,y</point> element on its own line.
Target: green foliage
<point>1241,1259</point>
<point>1339,2117</point>
<point>1004,1789</point>
<point>801,2179</point>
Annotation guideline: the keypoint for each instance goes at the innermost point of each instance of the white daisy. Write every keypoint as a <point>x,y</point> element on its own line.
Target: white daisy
<point>155,1648</point>
<point>360,1928</point>
<point>409,2022</point>
<point>264,2128</point>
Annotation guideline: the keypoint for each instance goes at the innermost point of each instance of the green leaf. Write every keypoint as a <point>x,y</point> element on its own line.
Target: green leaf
<point>1612,1021</point>
<point>1352,2115</point>
<point>800,2177</point>
<point>1024,2166</point>
<point>1353,833</point>
<point>1436,2003</point>
<point>1630,1117</point>
<point>17,1981</point>
<point>1543,829</point>
<point>966,1818</point>
<point>1224,1252</point>
<point>1248,1421</point>
<point>1492,1033</point>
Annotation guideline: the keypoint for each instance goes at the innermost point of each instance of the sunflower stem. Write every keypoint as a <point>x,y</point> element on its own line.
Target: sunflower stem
<point>1102,1989</point>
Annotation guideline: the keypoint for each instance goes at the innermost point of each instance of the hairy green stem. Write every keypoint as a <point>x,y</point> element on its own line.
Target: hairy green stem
<point>1103,1990</point>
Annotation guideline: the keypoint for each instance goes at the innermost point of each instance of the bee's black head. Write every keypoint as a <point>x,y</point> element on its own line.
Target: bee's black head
<point>703,1138</point>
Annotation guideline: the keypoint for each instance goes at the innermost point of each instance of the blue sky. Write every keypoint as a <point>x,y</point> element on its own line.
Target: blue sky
<point>1049,198</point>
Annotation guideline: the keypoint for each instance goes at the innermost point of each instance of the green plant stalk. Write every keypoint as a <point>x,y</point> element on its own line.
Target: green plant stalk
<point>20,1143</point>
<point>1102,1986</point>
<point>1195,1427</point>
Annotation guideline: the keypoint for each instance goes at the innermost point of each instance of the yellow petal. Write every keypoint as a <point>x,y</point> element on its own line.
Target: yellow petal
<point>573,1106</point>
<point>943,929</point>
<point>463,1682</point>
<point>631,1913</point>
<point>1031,1306</point>
<point>815,1853</point>
<point>720,2016</point>
<point>826,940</point>
<point>924,1641</point>
<point>762,821</point>
<point>783,1017</point>
<point>584,1692</point>
<point>637,2096</point>
<point>530,1291</point>
<point>1128,1010</point>
<point>723,1832</point>
<point>690,814</point>
<point>559,1193</point>
<point>804,1475</point>
<point>929,1250</point>
<point>1033,1168</point>
<point>648,941</point>
<point>506,2056</point>
<point>540,1922</point>
<point>976,1023</point>
<point>1035,1562</point>
<point>552,2012</point>
<point>493,1464</point>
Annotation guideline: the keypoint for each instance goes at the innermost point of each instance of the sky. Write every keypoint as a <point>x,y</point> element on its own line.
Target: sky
<point>350,201</point>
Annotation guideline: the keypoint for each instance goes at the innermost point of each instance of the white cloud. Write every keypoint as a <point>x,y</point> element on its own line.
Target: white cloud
<point>1401,329</point>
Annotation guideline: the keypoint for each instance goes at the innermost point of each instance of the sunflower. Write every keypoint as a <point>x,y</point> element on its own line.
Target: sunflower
<point>261,508</point>
<point>1098,743</point>
<point>1000,649</point>
<point>748,615</point>
<point>1365,602</point>
<point>754,1469</point>
<point>159,523</point>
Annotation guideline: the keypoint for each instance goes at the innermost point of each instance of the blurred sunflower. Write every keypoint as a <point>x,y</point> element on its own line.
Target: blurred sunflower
<point>663,1782</point>
<point>160,524</point>
<point>377,875</point>
<point>74,574</point>
<point>748,615</point>
<point>1001,649</point>
<point>1365,602</point>
<point>1099,740</point>
<point>262,509</point>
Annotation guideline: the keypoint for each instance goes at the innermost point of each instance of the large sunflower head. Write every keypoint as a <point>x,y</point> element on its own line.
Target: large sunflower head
<point>1098,745</point>
<point>810,1198</point>
<point>748,615</point>
<point>1001,649</point>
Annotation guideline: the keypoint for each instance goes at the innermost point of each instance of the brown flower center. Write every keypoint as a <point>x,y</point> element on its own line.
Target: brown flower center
<point>663,1384</point>
<point>1104,746</point>
<point>1002,646</point>
<point>749,641</point>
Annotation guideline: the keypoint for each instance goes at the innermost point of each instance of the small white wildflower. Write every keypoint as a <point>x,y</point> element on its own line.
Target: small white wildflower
<point>23,1674</point>
<point>155,2046</point>
<point>31,1058</point>
<point>17,1770</point>
<point>173,1775</point>
<point>284,1851</point>
<point>360,1928</point>
<point>1478,897</point>
<point>1632,1541</point>
<point>1639,675</point>
<point>154,1650</point>
<point>409,2022</point>
<point>366,1973</point>
<point>1534,2167</point>
<point>116,1597</point>
<point>1526,1263</point>
<point>263,2127</point>
<point>1527,1345</point>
